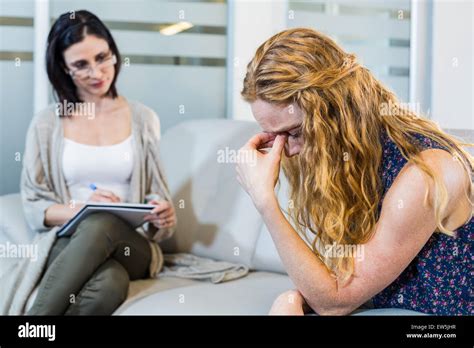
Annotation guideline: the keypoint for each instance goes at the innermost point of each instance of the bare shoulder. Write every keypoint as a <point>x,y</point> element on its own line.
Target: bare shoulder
<point>406,223</point>
<point>453,175</point>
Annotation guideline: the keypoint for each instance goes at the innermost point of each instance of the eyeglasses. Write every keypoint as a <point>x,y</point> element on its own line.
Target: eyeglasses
<point>86,71</point>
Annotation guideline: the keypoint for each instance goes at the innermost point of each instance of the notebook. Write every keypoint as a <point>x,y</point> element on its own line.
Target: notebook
<point>129,212</point>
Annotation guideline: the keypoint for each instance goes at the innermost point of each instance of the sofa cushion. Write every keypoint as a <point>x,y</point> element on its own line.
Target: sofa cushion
<point>216,218</point>
<point>465,135</point>
<point>13,227</point>
<point>253,294</point>
<point>265,257</point>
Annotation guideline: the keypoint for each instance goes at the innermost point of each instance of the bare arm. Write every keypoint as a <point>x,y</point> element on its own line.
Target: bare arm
<point>403,229</point>
<point>58,214</point>
<point>401,232</point>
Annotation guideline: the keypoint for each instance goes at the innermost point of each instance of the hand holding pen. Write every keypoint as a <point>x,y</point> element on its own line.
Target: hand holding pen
<point>100,195</point>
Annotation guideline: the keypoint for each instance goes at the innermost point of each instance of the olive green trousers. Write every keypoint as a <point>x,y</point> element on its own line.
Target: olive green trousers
<point>89,272</point>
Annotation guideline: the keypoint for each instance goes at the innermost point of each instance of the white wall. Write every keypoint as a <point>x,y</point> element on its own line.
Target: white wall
<point>16,90</point>
<point>452,94</point>
<point>251,23</point>
<point>420,54</point>
<point>442,67</point>
<point>177,92</point>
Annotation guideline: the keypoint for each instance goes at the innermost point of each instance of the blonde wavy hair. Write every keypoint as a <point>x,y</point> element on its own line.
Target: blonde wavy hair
<point>335,183</point>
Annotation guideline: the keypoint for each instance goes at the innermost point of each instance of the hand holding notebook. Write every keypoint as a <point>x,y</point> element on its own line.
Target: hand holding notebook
<point>132,213</point>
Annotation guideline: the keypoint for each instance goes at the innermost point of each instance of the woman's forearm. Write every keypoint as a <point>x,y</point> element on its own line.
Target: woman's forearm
<point>309,274</point>
<point>58,214</point>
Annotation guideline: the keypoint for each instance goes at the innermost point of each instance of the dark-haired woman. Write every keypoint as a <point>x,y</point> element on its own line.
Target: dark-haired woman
<point>92,146</point>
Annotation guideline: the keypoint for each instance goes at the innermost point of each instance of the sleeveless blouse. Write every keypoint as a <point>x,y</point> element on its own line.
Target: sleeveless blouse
<point>439,279</point>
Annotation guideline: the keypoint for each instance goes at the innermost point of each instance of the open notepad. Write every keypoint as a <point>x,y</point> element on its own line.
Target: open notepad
<point>129,212</point>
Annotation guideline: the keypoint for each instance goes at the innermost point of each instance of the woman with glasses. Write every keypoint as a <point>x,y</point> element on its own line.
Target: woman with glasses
<point>92,146</point>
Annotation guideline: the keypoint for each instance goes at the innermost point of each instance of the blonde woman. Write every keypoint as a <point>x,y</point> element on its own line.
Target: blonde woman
<point>391,182</point>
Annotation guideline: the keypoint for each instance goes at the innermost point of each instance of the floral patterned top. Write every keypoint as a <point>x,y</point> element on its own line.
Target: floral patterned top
<point>439,279</point>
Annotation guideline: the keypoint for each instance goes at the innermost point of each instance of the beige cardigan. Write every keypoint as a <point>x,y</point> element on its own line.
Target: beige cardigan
<point>42,184</point>
<point>42,180</point>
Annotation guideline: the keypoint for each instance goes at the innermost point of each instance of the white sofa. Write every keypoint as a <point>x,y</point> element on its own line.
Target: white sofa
<point>216,219</point>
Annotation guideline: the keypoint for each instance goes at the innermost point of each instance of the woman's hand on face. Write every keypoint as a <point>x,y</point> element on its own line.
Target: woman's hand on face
<point>100,195</point>
<point>257,171</point>
<point>163,215</point>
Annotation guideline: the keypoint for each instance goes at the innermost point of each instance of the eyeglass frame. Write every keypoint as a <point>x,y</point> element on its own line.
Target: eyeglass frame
<point>91,69</point>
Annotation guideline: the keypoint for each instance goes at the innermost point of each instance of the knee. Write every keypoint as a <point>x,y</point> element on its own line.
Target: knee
<point>94,226</point>
<point>288,303</point>
<point>100,219</point>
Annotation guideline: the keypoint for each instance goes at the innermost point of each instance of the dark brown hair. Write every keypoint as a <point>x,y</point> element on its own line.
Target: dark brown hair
<point>69,29</point>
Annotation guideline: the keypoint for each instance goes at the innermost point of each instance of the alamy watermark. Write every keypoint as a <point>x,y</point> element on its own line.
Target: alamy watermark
<point>228,155</point>
<point>335,250</point>
<point>76,109</point>
<point>28,330</point>
<point>399,109</point>
<point>11,250</point>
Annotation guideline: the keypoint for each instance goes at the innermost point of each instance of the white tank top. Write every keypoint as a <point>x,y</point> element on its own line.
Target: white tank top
<point>107,167</point>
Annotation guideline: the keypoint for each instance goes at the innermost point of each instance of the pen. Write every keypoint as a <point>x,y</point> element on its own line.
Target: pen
<point>93,187</point>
